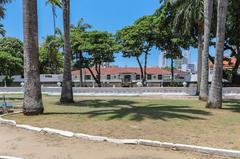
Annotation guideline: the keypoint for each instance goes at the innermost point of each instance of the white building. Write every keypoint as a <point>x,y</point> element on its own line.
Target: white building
<point>188,68</point>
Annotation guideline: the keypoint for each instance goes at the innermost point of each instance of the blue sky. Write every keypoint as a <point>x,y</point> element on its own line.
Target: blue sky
<point>104,15</point>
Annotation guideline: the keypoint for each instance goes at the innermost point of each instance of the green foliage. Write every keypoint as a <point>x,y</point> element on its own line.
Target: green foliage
<point>51,59</point>
<point>57,3</point>
<point>138,38</point>
<point>2,14</point>
<point>2,30</point>
<point>9,65</point>
<point>12,46</point>
<point>81,26</point>
<point>98,47</point>
<point>11,50</point>
<point>94,48</point>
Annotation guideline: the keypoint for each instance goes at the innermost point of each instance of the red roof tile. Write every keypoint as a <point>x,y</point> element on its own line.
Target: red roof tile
<point>226,63</point>
<point>128,70</point>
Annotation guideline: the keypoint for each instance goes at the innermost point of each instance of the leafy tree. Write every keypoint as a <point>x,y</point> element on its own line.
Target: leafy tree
<point>9,65</point>
<point>12,46</point>
<point>77,53</point>
<point>138,40</point>
<point>51,59</point>
<point>232,40</point>
<point>97,47</point>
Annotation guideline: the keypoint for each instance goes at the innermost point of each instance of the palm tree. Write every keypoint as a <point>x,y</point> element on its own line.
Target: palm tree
<point>67,92</point>
<point>32,103</point>
<point>54,3</point>
<point>215,94</point>
<point>2,31</point>
<point>2,14</point>
<point>208,9</point>
<point>81,26</point>
<point>189,20</point>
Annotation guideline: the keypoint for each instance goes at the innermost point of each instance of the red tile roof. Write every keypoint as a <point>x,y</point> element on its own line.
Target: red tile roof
<point>128,70</point>
<point>226,63</point>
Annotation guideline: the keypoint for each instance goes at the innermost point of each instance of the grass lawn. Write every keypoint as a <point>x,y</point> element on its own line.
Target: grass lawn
<point>180,121</point>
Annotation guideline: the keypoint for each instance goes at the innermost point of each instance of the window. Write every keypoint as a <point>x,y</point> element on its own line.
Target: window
<point>160,77</point>
<point>108,77</point>
<point>88,77</point>
<point>48,76</point>
<point>138,77</point>
<point>149,77</point>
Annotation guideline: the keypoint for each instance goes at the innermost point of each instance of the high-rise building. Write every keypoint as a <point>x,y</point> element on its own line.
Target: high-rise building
<point>185,60</point>
<point>163,61</point>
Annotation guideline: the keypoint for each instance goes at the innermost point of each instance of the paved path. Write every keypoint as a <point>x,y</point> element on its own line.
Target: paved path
<point>29,145</point>
<point>228,92</point>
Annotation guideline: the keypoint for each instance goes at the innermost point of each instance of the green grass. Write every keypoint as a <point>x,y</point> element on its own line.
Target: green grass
<point>180,121</point>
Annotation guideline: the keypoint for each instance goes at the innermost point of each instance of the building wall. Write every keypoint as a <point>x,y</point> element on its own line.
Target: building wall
<point>116,80</point>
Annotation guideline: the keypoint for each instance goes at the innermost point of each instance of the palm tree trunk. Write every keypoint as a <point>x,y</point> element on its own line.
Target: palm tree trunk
<point>208,7</point>
<point>200,49</point>
<point>54,19</point>
<point>172,71</point>
<point>32,103</point>
<point>215,95</point>
<point>67,92</point>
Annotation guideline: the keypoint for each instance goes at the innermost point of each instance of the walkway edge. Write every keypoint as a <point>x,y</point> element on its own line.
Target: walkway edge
<point>194,148</point>
<point>8,157</point>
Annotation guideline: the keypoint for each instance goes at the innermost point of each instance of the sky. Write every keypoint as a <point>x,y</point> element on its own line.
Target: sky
<point>104,15</point>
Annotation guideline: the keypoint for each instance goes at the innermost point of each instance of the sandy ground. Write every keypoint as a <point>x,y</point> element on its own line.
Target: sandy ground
<point>29,145</point>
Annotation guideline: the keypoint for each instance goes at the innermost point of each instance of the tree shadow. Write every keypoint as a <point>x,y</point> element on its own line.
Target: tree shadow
<point>119,109</point>
<point>233,105</point>
<point>98,103</point>
<point>11,98</point>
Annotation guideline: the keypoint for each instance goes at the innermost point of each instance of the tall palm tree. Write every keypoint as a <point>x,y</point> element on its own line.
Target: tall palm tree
<point>67,92</point>
<point>208,9</point>
<point>189,20</point>
<point>215,94</point>
<point>2,14</point>
<point>54,3</point>
<point>32,103</point>
<point>2,31</point>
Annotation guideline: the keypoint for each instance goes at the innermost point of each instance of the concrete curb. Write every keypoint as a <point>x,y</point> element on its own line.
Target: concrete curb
<point>58,132</point>
<point>8,157</point>
<point>69,134</point>
<point>28,127</point>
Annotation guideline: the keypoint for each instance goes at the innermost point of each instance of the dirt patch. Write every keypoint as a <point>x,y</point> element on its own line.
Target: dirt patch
<point>29,145</point>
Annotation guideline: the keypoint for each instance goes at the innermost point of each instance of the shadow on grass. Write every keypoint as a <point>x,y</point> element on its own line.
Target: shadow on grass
<point>233,105</point>
<point>11,98</point>
<point>98,103</point>
<point>119,109</point>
